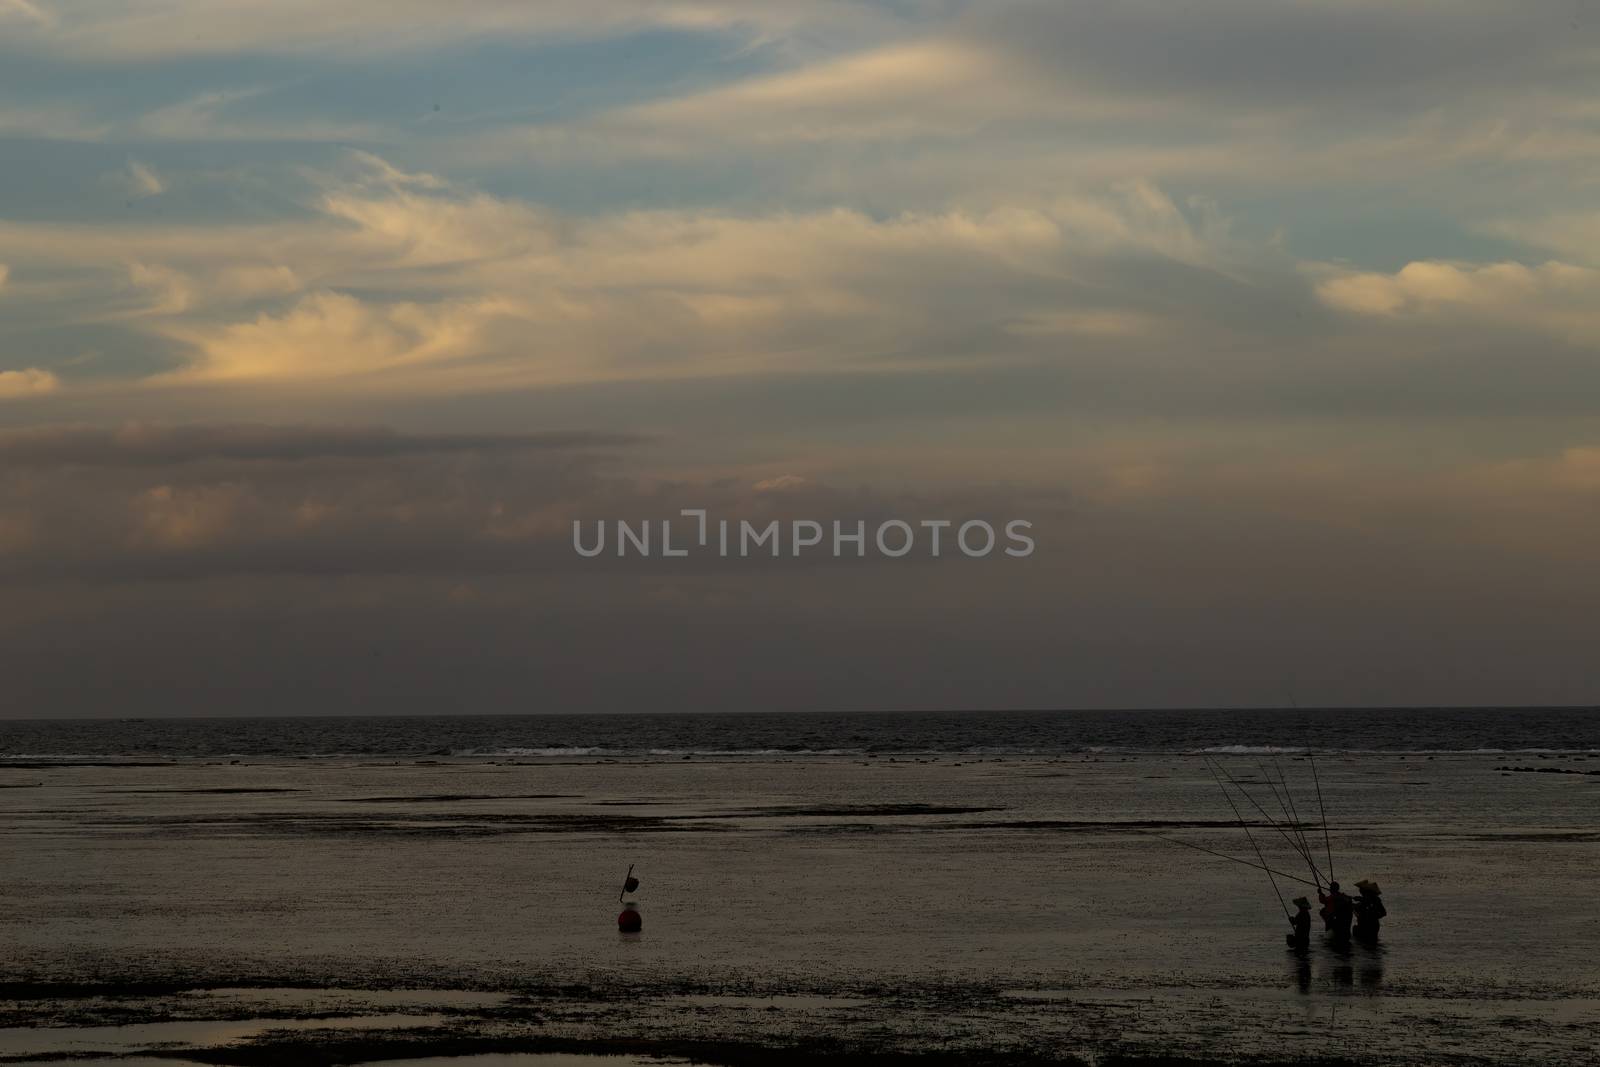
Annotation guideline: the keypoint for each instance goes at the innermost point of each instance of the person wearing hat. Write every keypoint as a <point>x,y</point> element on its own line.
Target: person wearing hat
<point>1369,910</point>
<point>1301,938</point>
<point>1337,911</point>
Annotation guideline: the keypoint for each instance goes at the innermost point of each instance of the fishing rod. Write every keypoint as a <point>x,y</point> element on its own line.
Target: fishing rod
<point>1283,806</point>
<point>1270,821</point>
<point>1264,813</point>
<point>1251,837</point>
<point>1326,840</point>
<point>1305,852</point>
<point>1223,855</point>
<point>1311,755</point>
<point>1294,813</point>
<point>1288,820</point>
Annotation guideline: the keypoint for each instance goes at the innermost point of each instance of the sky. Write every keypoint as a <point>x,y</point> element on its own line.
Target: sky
<point>320,326</point>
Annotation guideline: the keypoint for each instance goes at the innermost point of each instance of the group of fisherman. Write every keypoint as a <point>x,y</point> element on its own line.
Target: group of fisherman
<point>1339,911</point>
<point>1345,918</point>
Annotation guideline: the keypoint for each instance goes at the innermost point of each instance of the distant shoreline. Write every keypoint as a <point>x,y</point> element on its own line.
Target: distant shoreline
<point>1212,709</point>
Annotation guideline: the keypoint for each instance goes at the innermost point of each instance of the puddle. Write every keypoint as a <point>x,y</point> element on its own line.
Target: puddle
<point>528,1059</point>
<point>389,998</point>
<point>514,1059</point>
<point>1037,994</point>
<point>130,1061</point>
<point>141,1037</point>
<point>795,1001</point>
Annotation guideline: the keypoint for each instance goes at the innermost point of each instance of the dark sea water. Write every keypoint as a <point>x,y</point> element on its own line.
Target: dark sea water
<point>1483,730</point>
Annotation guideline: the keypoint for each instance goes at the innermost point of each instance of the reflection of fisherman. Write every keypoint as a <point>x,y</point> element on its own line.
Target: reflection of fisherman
<point>1369,910</point>
<point>1301,938</point>
<point>1337,912</point>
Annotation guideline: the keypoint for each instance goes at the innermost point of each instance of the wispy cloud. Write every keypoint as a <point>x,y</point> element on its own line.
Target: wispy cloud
<point>504,292</point>
<point>27,11</point>
<point>1555,298</point>
<point>32,381</point>
<point>52,120</point>
<point>176,444</point>
<point>160,29</point>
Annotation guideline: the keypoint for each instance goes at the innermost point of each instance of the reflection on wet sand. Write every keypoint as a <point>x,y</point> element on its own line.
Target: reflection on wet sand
<point>1301,968</point>
<point>1369,969</point>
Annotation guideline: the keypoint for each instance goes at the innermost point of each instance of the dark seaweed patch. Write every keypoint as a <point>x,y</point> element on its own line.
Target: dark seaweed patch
<point>416,824</point>
<point>832,810</point>
<point>1546,770</point>
<point>219,790</point>
<point>452,798</point>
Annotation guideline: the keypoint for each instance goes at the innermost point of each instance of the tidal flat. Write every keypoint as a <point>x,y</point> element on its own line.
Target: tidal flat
<point>822,908</point>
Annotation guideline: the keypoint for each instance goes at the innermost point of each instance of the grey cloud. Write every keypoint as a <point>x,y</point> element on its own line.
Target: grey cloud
<point>446,581</point>
<point>1264,53</point>
<point>1233,589</point>
<point>198,503</point>
<point>150,444</point>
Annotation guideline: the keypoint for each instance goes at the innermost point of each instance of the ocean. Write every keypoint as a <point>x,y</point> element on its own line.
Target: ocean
<point>1408,730</point>
<point>1017,888</point>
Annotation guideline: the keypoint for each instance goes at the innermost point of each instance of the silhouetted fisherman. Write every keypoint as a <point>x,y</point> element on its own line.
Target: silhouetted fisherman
<point>1301,938</point>
<point>1337,912</point>
<point>1369,910</point>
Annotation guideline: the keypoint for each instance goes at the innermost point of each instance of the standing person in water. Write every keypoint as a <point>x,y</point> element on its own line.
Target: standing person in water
<point>1301,938</point>
<point>1337,912</point>
<point>1369,910</point>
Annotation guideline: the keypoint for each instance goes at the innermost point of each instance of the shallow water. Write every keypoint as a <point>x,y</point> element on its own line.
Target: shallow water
<point>85,1040</point>
<point>835,882</point>
<point>529,1059</point>
<point>508,1059</point>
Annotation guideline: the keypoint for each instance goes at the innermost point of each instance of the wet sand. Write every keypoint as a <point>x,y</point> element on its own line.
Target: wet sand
<point>838,909</point>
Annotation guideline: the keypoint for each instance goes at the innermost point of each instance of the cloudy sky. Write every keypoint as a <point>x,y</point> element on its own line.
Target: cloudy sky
<point>320,324</point>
